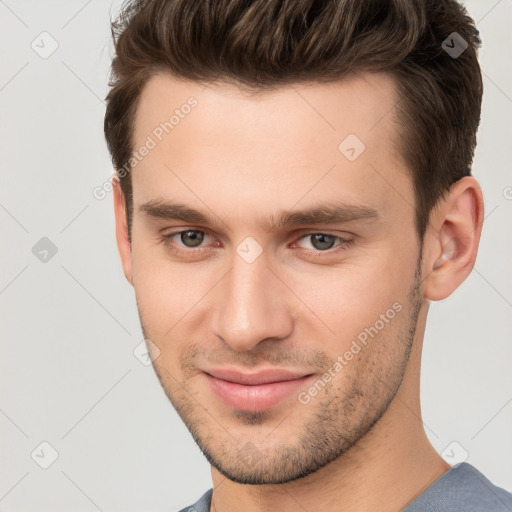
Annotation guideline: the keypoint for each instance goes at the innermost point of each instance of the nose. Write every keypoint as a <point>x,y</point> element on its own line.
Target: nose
<point>252,305</point>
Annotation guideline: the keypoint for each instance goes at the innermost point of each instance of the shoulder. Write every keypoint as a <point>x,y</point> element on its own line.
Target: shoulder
<point>462,487</point>
<point>202,505</point>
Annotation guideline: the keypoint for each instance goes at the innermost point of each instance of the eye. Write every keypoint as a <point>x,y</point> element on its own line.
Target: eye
<point>190,241</point>
<point>184,240</point>
<point>191,238</point>
<point>324,242</point>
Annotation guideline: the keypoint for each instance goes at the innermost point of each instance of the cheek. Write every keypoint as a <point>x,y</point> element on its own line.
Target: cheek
<point>166,296</point>
<point>344,300</point>
<point>168,293</point>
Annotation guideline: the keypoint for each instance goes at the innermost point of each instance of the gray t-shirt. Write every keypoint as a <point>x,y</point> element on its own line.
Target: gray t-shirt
<point>462,488</point>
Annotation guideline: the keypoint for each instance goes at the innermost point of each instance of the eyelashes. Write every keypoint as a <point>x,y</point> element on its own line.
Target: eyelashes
<point>198,236</point>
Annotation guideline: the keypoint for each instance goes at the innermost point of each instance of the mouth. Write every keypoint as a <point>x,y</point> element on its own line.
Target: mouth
<point>255,392</point>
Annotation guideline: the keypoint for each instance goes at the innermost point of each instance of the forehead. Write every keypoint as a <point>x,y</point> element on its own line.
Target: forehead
<point>358,104</point>
<point>297,141</point>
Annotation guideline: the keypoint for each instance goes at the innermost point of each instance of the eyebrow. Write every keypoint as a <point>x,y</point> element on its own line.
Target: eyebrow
<point>328,213</point>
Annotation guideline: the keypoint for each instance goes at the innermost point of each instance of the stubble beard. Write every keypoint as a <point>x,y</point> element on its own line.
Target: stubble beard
<point>343,417</point>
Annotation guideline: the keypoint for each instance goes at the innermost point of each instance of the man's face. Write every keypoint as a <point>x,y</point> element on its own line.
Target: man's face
<point>245,292</point>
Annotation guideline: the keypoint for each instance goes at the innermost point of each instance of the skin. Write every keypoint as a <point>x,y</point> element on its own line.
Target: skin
<point>360,443</point>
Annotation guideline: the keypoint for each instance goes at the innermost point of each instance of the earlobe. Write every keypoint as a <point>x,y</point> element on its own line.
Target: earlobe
<point>122,238</point>
<point>452,239</point>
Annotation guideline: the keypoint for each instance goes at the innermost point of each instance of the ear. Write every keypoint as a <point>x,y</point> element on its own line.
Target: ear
<point>451,241</point>
<point>123,242</point>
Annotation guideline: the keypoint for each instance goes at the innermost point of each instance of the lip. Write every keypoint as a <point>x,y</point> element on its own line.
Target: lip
<point>257,391</point>
<point>252,379</point>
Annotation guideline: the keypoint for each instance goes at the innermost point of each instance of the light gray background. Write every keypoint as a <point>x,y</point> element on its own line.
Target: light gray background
<point>69,326</point>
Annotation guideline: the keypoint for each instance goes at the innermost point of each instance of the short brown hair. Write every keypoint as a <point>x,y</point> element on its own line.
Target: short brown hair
<point>260,45</point>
